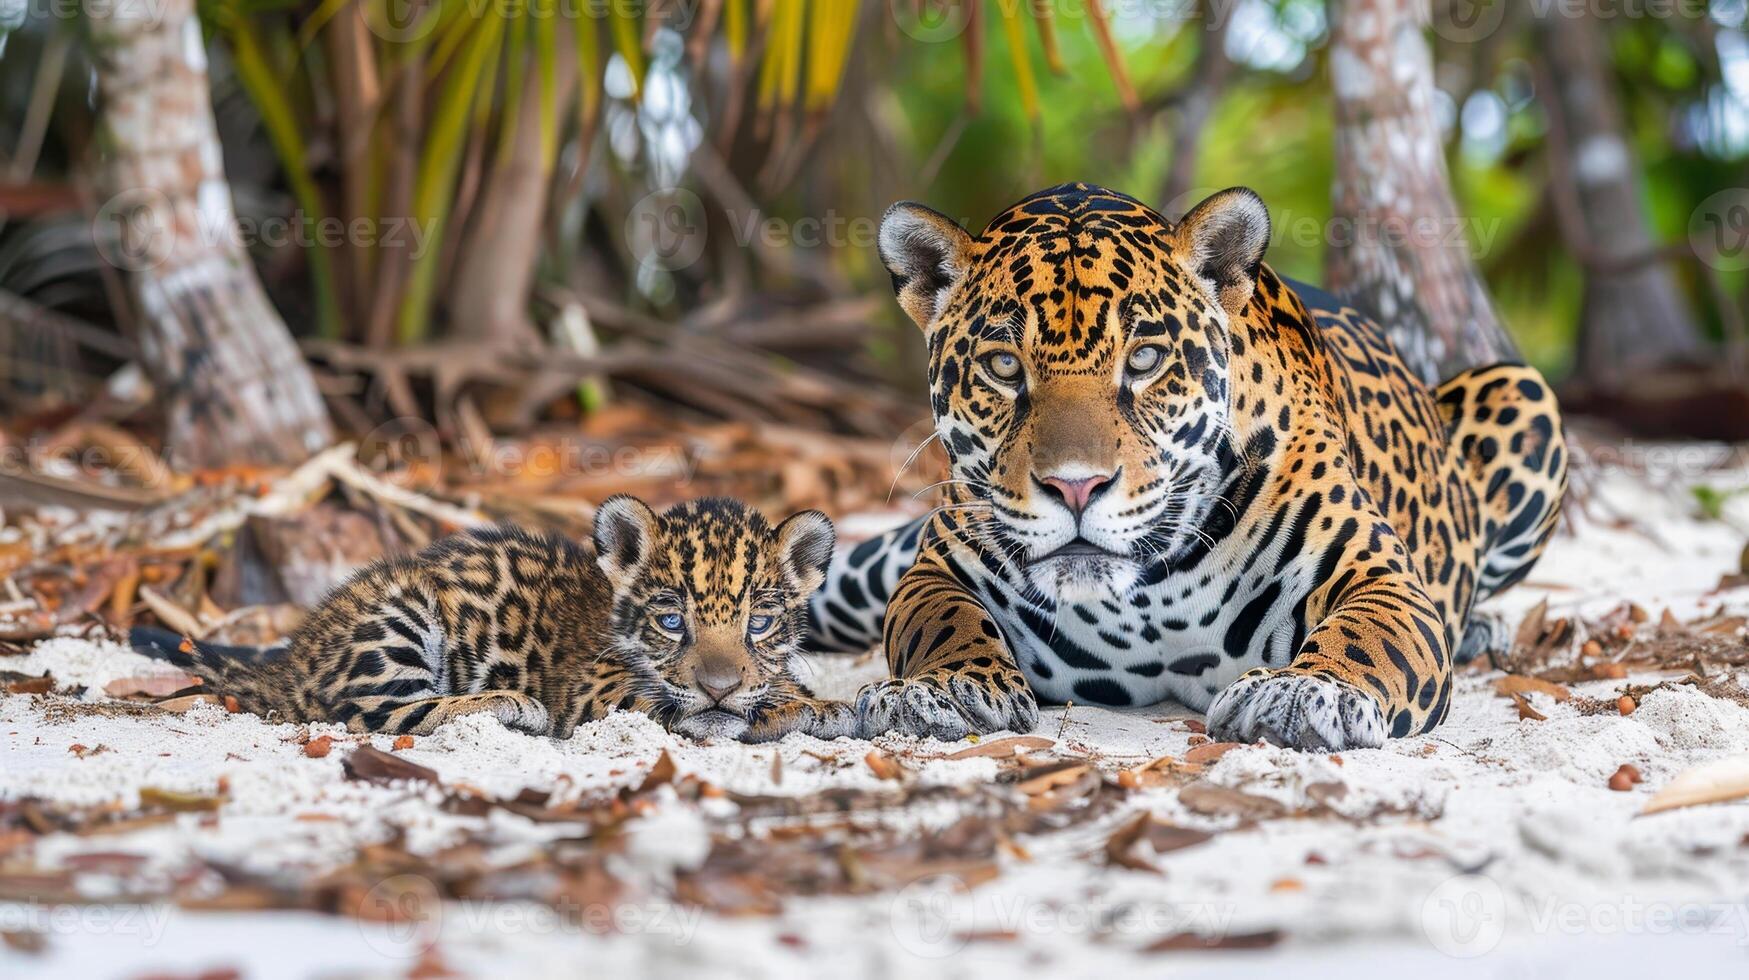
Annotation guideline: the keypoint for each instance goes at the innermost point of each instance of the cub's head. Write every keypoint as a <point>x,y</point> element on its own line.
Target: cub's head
<point>710,604</point>
<point>1079,353</point>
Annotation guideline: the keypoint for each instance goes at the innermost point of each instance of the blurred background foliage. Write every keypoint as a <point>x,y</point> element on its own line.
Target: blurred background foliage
<point>818,115</point>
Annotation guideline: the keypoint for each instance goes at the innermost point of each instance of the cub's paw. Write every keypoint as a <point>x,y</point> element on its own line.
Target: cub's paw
<point>521,712</point>
<point>831,719</point>
<point>821,719</point>
<point>1298,711</point>
<point>945,706</point>
<point>810,716</point>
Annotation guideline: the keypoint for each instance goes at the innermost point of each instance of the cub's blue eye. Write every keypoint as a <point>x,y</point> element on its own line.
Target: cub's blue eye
<point>672,622</point>
<point>759,624</point>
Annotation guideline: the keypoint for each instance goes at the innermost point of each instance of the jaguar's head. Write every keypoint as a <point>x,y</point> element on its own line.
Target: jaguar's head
<point>710,604</point>
<point>1079,366</point>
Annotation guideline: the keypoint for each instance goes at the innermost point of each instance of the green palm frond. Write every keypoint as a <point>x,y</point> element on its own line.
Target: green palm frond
<point>472,62</point>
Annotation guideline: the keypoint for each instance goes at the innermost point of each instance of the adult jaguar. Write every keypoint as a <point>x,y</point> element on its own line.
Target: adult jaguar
<point>1177,475</point>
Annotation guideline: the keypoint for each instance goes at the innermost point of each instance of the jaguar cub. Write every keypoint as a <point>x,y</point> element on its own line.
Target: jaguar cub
<point>695,617</point>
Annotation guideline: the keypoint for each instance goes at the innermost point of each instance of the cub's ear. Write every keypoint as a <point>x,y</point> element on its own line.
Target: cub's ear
<point>804,548</point>
<point>1223,240</point>
<point>625,534</point>
<point>926,252</point>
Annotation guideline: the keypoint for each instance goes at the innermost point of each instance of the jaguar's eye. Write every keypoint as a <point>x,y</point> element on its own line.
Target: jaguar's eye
<point>760,625</point>
<point>670,622</point>
<point>1002,365</point>
<point>1144,360</point>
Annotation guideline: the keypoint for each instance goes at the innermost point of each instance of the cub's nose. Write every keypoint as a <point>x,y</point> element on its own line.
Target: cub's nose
<point>1077,493</point>
<point>717,681</point>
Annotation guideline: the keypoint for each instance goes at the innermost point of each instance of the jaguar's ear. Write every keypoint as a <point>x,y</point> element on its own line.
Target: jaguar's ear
<point>926,252</point>
<point>804,547</point>
<point>625,536</point>
<point>1223,240</point>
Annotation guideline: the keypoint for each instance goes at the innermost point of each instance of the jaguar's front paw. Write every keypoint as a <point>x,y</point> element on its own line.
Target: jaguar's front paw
<point>1298,711</point>
<point>947,707</point>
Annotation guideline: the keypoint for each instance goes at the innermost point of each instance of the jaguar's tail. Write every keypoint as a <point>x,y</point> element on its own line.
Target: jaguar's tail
<point>1506,425</point>
<point>845,616</point>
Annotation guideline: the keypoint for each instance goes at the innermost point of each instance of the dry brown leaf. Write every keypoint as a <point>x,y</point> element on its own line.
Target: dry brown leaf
<point>31,685</point>
<point>1049,777</point>
<point>25,943</point>
<point>660,774</point>
<point>1005,748</point>
<point>374,766</point>
<point>179,802</point>
<point>1519,684</point>
<point>1525,711</point>
<point>1212,800</point>
<point>1193,942</point>
<point>188,701</point>
<point>1205,754</point>
<point>1162,838</point>
<point>883,765</point>
<point>173,616</point>
<point>1530,630</point>
<point>1715,782</point>
<point>150,685</point>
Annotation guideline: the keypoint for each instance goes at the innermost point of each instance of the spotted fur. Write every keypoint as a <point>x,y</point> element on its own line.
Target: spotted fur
<point>1176,475</point>
<point>695,617</point>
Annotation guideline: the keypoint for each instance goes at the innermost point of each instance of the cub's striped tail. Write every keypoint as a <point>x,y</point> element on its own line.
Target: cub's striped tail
<point>233,670</point>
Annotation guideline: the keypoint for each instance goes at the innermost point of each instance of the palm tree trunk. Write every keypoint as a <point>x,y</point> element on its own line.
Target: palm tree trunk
<point>1634,315</point>
<point>1401,251</point>
<point>489,298</point>
<point>234,386</point>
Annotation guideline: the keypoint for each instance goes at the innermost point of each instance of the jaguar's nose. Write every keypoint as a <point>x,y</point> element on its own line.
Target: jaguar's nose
<point>718,681</point>
<point>1077,493</point>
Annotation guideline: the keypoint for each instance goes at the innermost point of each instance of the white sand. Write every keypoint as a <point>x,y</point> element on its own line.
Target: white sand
<point>1513,856</point>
